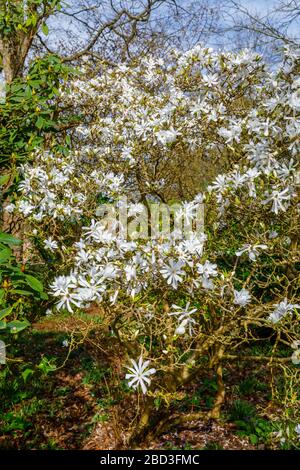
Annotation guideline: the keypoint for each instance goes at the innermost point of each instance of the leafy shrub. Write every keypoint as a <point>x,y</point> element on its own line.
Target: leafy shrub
<point>19,291</point>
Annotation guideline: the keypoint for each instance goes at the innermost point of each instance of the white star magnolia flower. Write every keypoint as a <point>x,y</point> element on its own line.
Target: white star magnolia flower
<point>187,322</point>
<point>183,312</point>
<point>130,272</point>
<point>186,212</point>
<point>184,318</point>
<point>168,136</point>
<point>296,344</point>
<point>26,208</point>
<point>10,208</point>
<point>173,273</point>
<point>277,198</point>
<point>241,297</point>
<point>62,283</point>
<point>252,250</point>
<point>296,357</point>
<point>237,179</point>
<point>219,184</point>
<point>282,309</point>
<point>90,289</point>
<point>50,244</point>
<point>61,288</point>
<point>206,271</point>
<point>134,209</point>
<point>193,245</point>
<point>139,374</point>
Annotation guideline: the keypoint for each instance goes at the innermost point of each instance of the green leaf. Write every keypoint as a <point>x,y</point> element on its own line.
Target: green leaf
<point>45,29</point>
<point>34,283</point>
<point>44,296</point>
<point>3,325</point>
<point>21,292</point>
<point>40,122</point>
<point>16,326</point>
<point>9,239</point>
<point>5,312</point>
<point>5,255</point>
<point>27,373</point>
<point>253,439</point>
<point>4,179</point>
<point>46,365</point>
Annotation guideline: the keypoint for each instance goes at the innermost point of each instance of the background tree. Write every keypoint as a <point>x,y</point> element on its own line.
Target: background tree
<point>109,29</point>
<point>265,29</point>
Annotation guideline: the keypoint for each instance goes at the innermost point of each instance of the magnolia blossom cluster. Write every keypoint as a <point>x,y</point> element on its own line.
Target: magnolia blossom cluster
<point>281,310</point>
<point>106,266</point>
<point>224,108</point>
<point>219,105</point>
<point>61,187</point>
<point>144,118</point>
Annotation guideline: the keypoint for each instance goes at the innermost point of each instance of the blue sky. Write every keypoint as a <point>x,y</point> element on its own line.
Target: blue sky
<point>256,6</point>
<point>261,6</point>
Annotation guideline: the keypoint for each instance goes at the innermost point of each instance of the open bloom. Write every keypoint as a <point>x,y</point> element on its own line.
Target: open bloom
<point>282,309</point>
<point>167,136</point>
<point>296,357</point>
<point>252,250</point>
<point>62,287</point>
<point>50,244</point>
<point>90,290</point>
<point>173,273</point>
<point>206,271</point>
<point>130,272</point>
<point>184,318</point>
<point>187,322</point>
<point>278,198</point>
<point>296,344</point>
<point>139,374</point>
<point>187,212</point>
<point>241,297</point>
<point>183,312</point>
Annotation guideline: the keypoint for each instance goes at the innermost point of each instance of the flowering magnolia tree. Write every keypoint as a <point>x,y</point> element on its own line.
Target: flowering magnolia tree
<point>157,132</point>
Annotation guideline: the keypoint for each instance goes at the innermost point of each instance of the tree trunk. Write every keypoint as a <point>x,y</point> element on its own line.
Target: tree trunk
<point>14,50</point>
<point>145,424</point>
<point>10,60</point>
<point>216,410</point>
